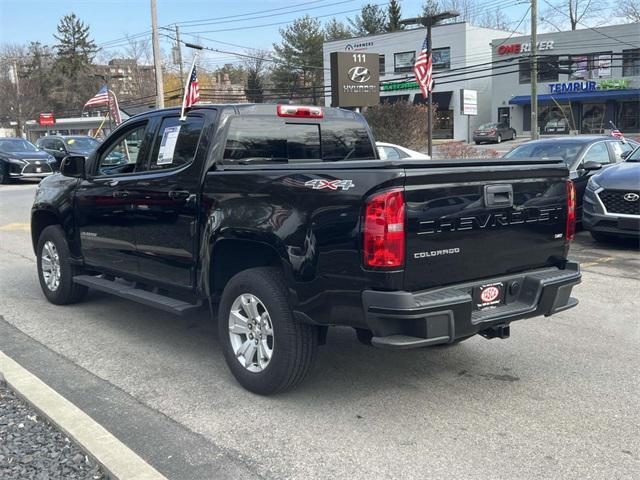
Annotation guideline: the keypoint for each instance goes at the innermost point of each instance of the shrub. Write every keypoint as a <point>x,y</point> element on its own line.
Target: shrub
<point>401,123</point>
<point>462,150</point>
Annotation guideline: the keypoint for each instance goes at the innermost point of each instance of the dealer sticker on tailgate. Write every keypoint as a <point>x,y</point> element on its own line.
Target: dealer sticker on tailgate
<point>488,295</point>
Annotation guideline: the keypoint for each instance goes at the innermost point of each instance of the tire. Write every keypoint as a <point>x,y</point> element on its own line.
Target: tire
<point>364,336</point>
<point>499,139</point>
<point>5,179</point>
<point>53,245</point>
<point>513,137</point>
<point>477,143</point>
<point>293,345</point>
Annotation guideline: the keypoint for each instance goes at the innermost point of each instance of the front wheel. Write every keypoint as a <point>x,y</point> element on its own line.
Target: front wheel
<point>265,347</point>
<point>55,270</point>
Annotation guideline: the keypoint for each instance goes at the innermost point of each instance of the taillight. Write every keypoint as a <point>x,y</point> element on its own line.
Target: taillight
<point>384,230</point>
<point>299,112</point>
<point>571,211</point>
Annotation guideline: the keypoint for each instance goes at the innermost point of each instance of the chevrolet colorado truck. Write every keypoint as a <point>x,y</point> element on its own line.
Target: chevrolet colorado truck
<point>285,219</point>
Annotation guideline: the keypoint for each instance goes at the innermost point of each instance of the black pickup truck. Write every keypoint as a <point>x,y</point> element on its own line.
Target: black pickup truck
<point>285,218</point>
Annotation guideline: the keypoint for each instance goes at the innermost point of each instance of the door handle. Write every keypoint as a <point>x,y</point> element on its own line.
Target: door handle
<point>120,194</point>
<point>178,194</point>
<point>498,195</point>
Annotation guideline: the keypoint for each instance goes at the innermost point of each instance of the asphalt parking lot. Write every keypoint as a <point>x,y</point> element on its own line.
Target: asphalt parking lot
<point>559,399</point>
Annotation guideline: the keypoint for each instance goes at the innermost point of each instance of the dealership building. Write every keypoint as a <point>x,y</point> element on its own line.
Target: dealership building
<point>586,79</point>
<point>456,46</point>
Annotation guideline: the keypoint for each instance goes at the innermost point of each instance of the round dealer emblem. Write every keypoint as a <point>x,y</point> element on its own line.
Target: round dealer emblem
<point>359,74</point>
<point>631,197</point>
<point>489,294</point>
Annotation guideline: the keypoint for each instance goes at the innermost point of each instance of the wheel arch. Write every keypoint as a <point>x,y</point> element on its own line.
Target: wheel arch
<point>41,219</point>
<point>230,256</point>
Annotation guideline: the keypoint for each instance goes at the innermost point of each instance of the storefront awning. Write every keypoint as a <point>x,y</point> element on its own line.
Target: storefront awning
<point>584,97</point>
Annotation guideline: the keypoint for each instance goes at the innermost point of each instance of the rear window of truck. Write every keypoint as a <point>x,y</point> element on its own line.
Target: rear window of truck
<point>256,140</point>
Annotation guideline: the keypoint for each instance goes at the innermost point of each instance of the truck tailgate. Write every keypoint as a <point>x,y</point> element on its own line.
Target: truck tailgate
<point>468,221</point>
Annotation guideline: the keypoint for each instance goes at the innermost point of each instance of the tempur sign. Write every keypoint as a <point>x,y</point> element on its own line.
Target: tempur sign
<point>355,79</point>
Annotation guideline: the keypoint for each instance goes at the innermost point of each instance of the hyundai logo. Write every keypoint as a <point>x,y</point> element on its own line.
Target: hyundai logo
<point>631,197</point>
<point>359,74</point>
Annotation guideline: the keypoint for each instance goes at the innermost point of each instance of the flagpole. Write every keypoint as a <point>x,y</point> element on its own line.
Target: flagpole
<point>186,88</point>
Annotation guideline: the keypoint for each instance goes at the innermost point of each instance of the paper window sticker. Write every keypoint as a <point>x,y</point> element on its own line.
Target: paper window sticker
<point>168,145</point>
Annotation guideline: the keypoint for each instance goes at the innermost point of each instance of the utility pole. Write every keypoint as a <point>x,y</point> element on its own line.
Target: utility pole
<point>534,69</point>
<point>179,47</point>
<point>428,22</point>
<point>18,100</point>
<point>430,94</point>
<point>157,61</point>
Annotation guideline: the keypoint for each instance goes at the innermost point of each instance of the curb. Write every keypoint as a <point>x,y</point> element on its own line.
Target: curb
<point>116,459</point>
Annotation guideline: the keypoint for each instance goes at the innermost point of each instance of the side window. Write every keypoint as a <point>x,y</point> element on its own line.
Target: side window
<point>42,143</point>
<point>121,156</point>
<point>390,153</point>
<point>618,148</point>
<point>597,153</point>
<point>57,145</point>
<point>176,142</point>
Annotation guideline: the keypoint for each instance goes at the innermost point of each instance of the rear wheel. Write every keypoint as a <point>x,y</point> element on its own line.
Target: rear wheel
<point>265,347</point>
<point>499,140</point>
<point>513,136</point>
<point>477,143</point>
<point>55,270</point>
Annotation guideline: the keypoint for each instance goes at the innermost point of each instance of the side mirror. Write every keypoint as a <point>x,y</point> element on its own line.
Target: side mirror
<point>73,166</point>
<point>625,154</point>
<point>591,165</point>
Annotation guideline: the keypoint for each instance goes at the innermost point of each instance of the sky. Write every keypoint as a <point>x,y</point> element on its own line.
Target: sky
<point>222,24</point>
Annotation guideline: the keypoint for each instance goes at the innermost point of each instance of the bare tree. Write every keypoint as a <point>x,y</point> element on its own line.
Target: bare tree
<point>255,69</point>
<point>494,19</point>
<point>630,10</point>
<point>571,13</point>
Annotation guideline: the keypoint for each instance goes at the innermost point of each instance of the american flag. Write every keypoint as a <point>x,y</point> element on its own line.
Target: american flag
<point>192,94</point>
<point>423,68</point>
<point>100,98</point>
<point>615,132</point>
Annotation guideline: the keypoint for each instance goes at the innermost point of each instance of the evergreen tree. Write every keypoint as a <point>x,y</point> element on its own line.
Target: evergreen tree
<point>336,30</point>
<point>372,19</point>
<point>298,69</point>
<point>394,16</point>
<point>75,50</point>
<point>254,67</point>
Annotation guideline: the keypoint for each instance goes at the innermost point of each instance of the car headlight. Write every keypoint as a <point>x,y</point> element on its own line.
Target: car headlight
<point>17,161</point>
<point>592,184</point>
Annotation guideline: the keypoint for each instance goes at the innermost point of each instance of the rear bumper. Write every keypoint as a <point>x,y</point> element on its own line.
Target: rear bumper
<point>410,320</point>
<point>485,138</point>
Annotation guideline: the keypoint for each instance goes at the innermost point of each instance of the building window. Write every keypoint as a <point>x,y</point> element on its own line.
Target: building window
<point>441,58</point>
<point>547,69</point>
<point>595,65</point>
<point>631,62</point>
<point>381,64</point>
<point>403,62</point>
<point>628,118</point>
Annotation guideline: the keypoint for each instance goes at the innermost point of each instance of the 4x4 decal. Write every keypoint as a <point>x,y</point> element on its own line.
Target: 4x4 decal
<point>320,184</point>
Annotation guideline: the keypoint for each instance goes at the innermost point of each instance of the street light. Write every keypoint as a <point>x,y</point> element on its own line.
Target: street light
<point>429,21</point>
<point>106,79</point>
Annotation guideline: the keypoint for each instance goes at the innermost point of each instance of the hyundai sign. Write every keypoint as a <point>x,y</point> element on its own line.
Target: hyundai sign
<point>355,79</point>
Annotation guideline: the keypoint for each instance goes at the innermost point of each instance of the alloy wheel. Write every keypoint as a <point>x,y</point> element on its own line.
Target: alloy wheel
<point>251,332</point>
<point>50,265</point>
